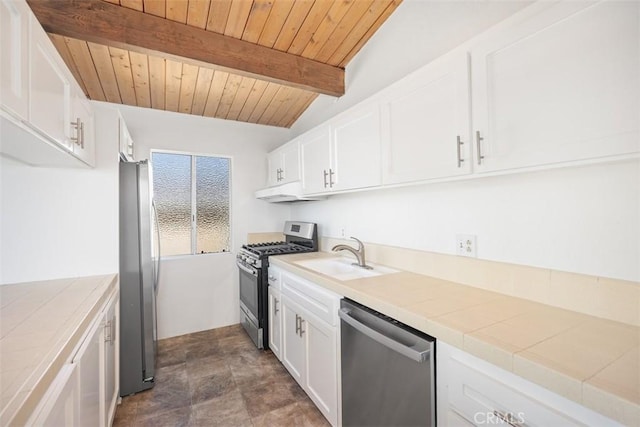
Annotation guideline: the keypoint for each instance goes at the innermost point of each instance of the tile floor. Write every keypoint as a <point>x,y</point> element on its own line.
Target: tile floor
<point>218,378</point>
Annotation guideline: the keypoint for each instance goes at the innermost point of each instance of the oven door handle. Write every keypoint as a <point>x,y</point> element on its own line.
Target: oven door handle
<point>248,270</point>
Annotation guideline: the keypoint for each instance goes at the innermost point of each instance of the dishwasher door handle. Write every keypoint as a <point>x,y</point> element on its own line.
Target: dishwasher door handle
<point>411,353</point>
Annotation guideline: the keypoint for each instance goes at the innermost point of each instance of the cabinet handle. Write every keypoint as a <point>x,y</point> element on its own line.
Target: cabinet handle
<point>331,178</point>
<point>108,332</point>
<point>297,325</point>
<point>325,178</point>
<point>302,331</point>
<point>76,125</point>
<point>459,144</point>
<point>479,139</point>
<point>275,306</point>
<point>509,419</point>
<point>81,134</point>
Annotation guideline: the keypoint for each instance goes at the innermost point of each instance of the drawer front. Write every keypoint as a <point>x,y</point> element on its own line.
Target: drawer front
<point>320,302</point>
<point>274,276</point>
<point>485,394</point>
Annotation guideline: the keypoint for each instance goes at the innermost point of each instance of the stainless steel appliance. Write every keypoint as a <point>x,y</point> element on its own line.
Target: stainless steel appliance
<point>138,280</point>
<point>253,262</point>
<point>388,376</point>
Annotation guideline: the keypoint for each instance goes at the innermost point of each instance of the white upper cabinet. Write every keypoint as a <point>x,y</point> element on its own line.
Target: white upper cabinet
<point>14,52</point>
<point>83,128</point>
<point>284,164</point>
<point>50,97</point>
<point>559,85</point>
<point>356,149</point>
<point>46,118</point>
<point>315,150</point>
<point>426,124</point>
<point>343,154</point>
<point>126,142</point>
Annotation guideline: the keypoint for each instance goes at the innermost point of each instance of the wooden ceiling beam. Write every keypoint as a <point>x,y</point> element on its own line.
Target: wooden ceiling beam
<point>120,27</point>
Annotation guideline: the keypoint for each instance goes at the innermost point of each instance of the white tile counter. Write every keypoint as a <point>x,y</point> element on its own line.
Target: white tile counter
<point>589,360</point>
<point>41,323</point>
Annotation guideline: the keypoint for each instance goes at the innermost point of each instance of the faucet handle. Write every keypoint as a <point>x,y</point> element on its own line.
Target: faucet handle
<point>360,244</point>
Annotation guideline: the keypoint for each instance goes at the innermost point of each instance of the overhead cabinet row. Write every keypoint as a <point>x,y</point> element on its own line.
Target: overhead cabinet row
<point>46,117</point>
<point>554,85</point>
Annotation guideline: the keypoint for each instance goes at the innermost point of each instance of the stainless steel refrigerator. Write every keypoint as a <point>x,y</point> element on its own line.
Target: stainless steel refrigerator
<point>139,271</point>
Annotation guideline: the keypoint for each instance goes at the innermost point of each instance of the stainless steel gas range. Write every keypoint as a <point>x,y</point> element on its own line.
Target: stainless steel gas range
<point>253,262</point>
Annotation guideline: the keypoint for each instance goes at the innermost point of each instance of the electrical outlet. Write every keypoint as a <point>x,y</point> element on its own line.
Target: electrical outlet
<point>466,245</point>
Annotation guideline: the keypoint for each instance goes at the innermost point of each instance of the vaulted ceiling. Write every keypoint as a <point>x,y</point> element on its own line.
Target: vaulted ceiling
<point>260,61</point>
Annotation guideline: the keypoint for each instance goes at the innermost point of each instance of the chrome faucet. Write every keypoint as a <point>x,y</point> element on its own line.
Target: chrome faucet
<point>359,253</point>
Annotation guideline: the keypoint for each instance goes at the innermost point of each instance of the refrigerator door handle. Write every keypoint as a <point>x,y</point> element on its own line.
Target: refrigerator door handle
<point>156,281</point>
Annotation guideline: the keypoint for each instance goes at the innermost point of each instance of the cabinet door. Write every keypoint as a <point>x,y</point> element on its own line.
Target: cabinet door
<point>290,163</point>
<point>88,359</point>
<point>322,373</point>
<point>83,131</point>
<point>562,85</point>
<point>426,126</point>
<point>49,92</point>
<point>315,151</point>
<point>59,406</point>
<point>356,149</point>
<point>110,361</point>
<point>275,323</point>
<point>126,142</point>
<point>275,166</point>
<point>293,345</point>
<point>14,51</point>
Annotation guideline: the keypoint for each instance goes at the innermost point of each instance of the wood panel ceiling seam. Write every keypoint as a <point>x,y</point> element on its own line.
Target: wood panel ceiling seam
<point>293,22</point>
<point>275,22</point>
<point>203,86</point>
<point>84,62</point>
<point>104,67</point>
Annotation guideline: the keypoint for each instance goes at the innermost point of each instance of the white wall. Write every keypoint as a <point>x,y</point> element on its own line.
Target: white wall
<point>579,219</point>
<point>417,32</point>
<point>201,292</point>
<point>60,222</point>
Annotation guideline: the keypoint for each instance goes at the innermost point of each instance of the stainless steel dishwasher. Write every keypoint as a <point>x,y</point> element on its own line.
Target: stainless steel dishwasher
<point>388,373</point>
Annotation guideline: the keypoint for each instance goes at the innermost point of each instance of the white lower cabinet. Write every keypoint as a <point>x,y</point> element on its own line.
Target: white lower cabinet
<point>310,331</point>
<point>275,322</point>
<point>85,390</point>
<point>471,391</point>
<point>60,405</point>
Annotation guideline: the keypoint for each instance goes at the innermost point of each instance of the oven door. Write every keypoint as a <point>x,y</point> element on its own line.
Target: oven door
<point>249,314</point>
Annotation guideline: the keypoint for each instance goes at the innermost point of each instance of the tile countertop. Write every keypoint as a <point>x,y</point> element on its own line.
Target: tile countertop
<point>40,325</point>
<point>586,359</point>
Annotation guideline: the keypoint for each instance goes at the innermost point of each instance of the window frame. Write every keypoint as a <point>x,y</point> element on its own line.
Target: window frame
<point>194,212</point>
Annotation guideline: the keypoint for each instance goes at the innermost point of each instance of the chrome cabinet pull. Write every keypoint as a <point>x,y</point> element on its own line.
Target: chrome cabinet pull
<point>479,139</point>
<point>297,325</point>
<point>509,419</point>
<point>302,331</point>
<point>77,126</point>
<point>459,145</point>
<point>325,177</point>
<point>108,332</point>
<point>275,306</point>
<point>331,173</point>
<point>81,134</point>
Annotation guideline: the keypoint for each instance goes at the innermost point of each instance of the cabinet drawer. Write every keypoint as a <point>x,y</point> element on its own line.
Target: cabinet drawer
<point>275,277</point>
<point>485,394</point>
<point>320,302</point>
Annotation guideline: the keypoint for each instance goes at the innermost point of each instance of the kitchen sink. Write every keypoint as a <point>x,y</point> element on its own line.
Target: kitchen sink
<point>343,268</point>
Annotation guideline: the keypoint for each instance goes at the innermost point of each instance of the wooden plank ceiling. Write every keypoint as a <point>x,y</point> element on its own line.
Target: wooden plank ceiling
<point>327,31</point>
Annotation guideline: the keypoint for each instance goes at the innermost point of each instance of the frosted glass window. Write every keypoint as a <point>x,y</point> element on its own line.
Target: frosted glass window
<point>212,204</point>
<point>192,199</point>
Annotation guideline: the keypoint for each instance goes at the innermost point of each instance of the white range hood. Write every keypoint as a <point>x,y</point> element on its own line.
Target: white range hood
<point>290,192</point>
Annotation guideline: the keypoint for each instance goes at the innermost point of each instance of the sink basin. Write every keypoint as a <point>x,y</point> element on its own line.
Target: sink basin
<point>343,268</point>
